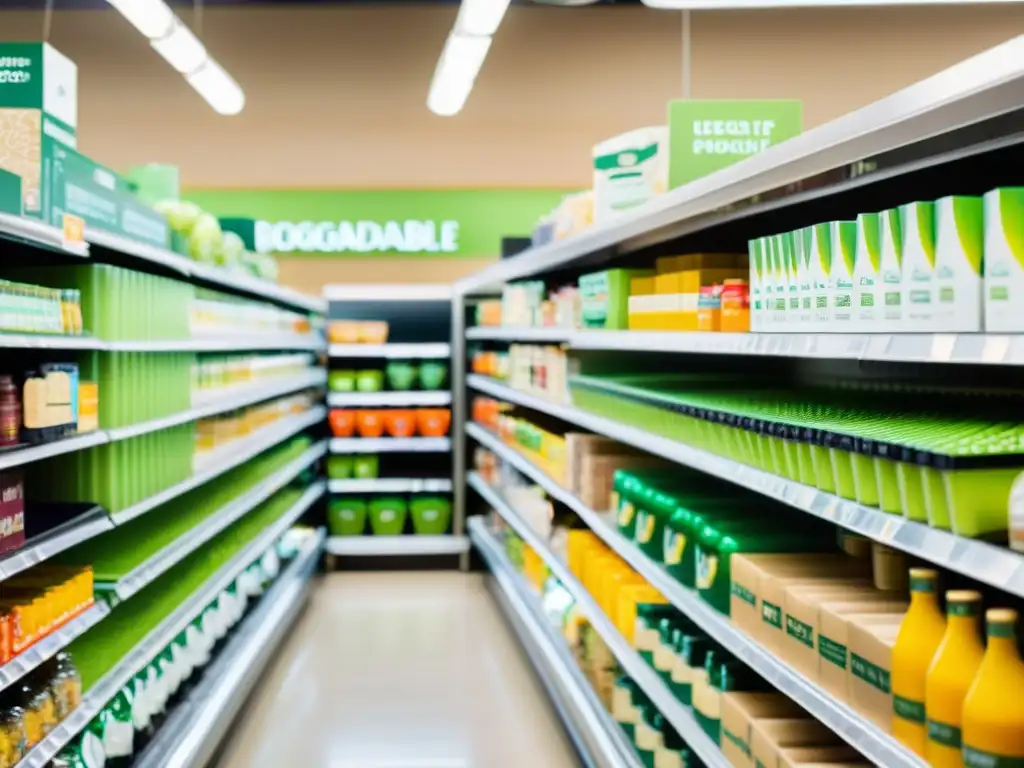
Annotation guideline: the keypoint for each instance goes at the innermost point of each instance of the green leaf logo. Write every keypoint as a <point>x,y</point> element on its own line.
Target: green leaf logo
<point>869,236</point>
<point>1011,211</point>
<point>824,243</point>
<point>969,217</point>
<point>894,216</point>
<point>925,213</point>
<point>756,248</point>
<point>846,234</point>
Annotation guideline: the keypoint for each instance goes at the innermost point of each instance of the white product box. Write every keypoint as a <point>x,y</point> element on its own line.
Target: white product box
<point>843,239</point>
<point>629,171</point>
<point>918,221</point>
<point>781,315</point>
<point>805,292</point>
<point>892,271</point>
<point>789,249</point>
<point>755,250</point>
<point>959,248</point>
<point>821,273</point>
<point>1004,260</point>
<point>868,297</point>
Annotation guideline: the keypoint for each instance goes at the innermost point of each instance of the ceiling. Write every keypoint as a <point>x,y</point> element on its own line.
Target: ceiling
<point>38,5</point>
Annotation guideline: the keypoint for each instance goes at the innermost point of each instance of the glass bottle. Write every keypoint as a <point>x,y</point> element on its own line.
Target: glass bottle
<point>10,412</point>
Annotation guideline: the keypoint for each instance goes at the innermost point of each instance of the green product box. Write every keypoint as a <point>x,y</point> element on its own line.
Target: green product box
<point>604,298</point>
<point>38,107</point>
<point>10,193</point>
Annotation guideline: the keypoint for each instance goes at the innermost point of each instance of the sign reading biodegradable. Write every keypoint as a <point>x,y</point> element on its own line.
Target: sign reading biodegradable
<point>708,135</point>
<point>449,223</point>
<point>410,236</point>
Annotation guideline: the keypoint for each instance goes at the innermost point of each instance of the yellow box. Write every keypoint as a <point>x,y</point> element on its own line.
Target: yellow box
<point>666,264</point>
<point>695,279</point>
<point>641,286</point>
<point>669,283</point>
<point>711,260</point>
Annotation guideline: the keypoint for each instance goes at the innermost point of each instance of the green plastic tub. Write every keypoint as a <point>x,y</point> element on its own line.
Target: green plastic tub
<point>346,517</point>
<point>366,467</point>
<point>433,375</point>
<point>339,467</point>
<point>387,516</point>
<point>370,381</point>
<point>431,515</point>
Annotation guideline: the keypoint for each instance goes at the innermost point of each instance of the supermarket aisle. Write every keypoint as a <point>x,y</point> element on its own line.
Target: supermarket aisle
<point>400,670</point>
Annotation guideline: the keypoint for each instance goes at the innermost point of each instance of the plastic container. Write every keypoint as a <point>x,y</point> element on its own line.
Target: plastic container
<point>346,517</point>
<point>400,423</point>
<point>370,423</point>
<point>433,375</point>
<point>387,516</point>
<point>341,381</point>
<point>373,332</point>
<point>369,381</point>
<point>401,375</point>
<point>431,515</point>
<point>342,421</point>
<point>366,467</point>
<point>343,332</point>
<point>433,422</point>
<point>339,467</point>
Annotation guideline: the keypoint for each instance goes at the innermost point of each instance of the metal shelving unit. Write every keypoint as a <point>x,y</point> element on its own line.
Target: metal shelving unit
<point>387,399</point>
<point>425,350</point>
<point>410,545</point>
<point>91,523</point>
<point>390,485</point>
<point>390,444</point>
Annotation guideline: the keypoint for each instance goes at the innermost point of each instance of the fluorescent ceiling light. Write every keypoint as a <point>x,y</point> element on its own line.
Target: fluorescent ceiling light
<point>480,17</point>
<point>460,62</point>
<point>151,17</point>
<point>181,49</point>
<point>735,5</point>
<point>218,88</point>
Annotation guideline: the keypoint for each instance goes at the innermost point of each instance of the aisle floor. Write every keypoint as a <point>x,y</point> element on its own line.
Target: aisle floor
<point>400,670</point>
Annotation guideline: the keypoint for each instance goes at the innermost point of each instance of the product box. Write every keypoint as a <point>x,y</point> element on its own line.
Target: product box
<point>629,170</point>
<point>739,710</point>
<point>871,643</point>
<point>805,292</point>
<point>12,511</point>
<point>780,283</point>
<point>756,278</point>
<point>834,638</point>
<point>1004,260</point>
<point>843,239</point>
<point>10,193</point>
<point>893,320</point>
<point>597,475</point>
<point>770,737</point>
<point>918,221</point>
<point>38,107</point>
<point>604,297</point>
<point>959,264</point>
<point>820,757</point>
<point>821,275</point>
<point>867,284</point>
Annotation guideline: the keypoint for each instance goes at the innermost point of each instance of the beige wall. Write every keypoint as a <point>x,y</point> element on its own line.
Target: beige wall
<point>336,96</point>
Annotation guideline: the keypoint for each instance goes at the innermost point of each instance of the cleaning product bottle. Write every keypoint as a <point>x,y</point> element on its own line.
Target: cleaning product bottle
<point>920,634</point>
<point>950,676</point>
<point>993,719</point>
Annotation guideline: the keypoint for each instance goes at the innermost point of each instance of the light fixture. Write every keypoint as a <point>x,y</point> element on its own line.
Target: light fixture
<point>177,44</point>
<point>218,88</point>
<point>153,18</point>
<point>739,5</point>
<point>480,17</point>
<point>460,62</point>
<point>181,49</point>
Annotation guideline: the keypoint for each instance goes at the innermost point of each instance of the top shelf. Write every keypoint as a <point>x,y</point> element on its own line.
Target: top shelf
<point>837,157</point>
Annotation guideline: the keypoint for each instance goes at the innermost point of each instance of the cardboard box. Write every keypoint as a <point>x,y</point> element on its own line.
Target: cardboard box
<point>38,108</point>
<point>739,710</point>
<point>801,620</point>
<point>770,737</point>
<point>870,647</point>
<point>834,639</point>
<point>807,757</point>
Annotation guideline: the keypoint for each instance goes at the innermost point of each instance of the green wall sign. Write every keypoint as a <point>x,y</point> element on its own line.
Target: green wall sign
<point>706,135</point>
<point>440,223</point>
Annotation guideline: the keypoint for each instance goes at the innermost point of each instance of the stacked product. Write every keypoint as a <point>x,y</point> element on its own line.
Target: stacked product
<point>37,602</point>
<point>387,515</point>
<point>34,706</point>
<point>398,423</point>
<point>34,309</point>
<point>214,374</point>
<point>219,314</point>
<point>217,437</point>
<point>357,331</point>
<point>400,375</point>
<point>48,402</point>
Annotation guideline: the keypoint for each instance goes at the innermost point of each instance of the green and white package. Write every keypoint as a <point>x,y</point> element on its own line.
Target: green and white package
<point>959,243</point>
<point>918,221</point>
<point>892,271</point>
<point>821,273</point>
<point>804,292</point>
<point>843,240</point>
<point>1004,260</point>
<point>755,250</point>
<point>867,284</point>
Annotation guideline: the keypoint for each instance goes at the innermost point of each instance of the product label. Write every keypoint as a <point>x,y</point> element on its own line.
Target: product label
<point>832,651</point>
<point>740,744</point>
<point>872,674</point>
<point>644,527</point>
<point>744,594</point>
<point>975,758</point>
<point>707,570</point>
<point>771,614</point>
<point>941,733</point>
<point>674,544</point>
<point>800,631</point>
<point>908,709</point>
<point>626,514</point>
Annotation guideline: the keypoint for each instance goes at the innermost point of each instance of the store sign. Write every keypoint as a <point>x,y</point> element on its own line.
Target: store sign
<point>411,236</point>
<point>708,135</point>
<point>376,222</point>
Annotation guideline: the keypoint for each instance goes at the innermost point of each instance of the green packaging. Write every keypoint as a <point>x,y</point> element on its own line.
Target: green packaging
<point>604,298</point>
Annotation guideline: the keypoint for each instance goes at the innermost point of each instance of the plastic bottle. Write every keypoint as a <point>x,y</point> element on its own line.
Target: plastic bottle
<point>950,677</point>
<point>920,634</point>
<point>993,719</point>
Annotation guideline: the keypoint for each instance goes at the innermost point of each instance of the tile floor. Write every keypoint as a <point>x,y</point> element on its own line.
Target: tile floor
<point>400,670</point>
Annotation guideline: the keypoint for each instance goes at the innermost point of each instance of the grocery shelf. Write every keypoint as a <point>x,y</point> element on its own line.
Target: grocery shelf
<point>85,526</point>
<point>194,729</point>
<point>979,88</point>
<point>390,485</point>
<point>51,645</point>
<point>238,342</point>
<point>395,350</point>
<point>108,686</point>
<point>248,447</point>
<point>646,677</point>
<point>597,736</point>
<point>368,546</point>
<point>408,399</point>
<point>391,445</point>
<point>996,566</point>
<point>47,341</point>
<point>16,457</point>
<point>189,542</point>
<point>508,333</point>
<point>37,233</point>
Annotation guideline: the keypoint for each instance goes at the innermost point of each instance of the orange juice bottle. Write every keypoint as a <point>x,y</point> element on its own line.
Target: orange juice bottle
<point>920,634</point>
<point>993,725</point>
<point>950,676</point>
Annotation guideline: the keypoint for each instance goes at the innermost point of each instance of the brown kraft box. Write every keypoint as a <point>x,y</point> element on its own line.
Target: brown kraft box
<point>834,639</point>
<point>870,672</point>
<point>739,710</point>
<point>769,737</point>
<point>597,476</point>
<point>833,757</point>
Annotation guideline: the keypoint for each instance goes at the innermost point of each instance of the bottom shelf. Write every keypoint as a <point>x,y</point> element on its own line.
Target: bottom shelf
<point>192,733</point>
<point>369,546</point>
<point>597,736</point>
